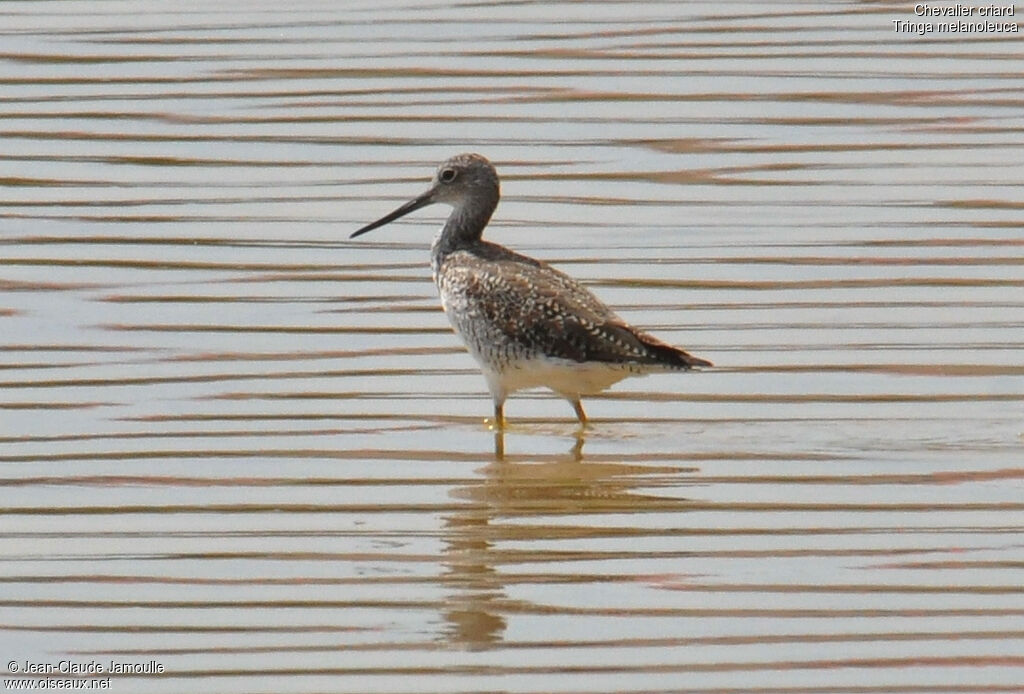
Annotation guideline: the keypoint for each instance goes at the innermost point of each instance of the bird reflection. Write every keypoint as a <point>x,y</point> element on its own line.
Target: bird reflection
<point>479,535</point>
<point>575,453</point>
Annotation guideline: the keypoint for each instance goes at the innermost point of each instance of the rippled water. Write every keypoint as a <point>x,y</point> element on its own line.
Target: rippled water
<point>239,446</point>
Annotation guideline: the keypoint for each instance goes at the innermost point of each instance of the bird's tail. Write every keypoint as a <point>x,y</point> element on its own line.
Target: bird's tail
<point>670,355</point>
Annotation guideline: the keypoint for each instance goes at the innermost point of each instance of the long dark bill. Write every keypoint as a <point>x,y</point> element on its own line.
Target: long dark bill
<point>411,206</point>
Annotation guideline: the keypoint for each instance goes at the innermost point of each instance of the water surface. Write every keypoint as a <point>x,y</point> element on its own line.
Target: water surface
<point>240,446</point>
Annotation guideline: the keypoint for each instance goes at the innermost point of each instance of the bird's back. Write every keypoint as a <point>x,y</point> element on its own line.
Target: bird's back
<point>511,308</point>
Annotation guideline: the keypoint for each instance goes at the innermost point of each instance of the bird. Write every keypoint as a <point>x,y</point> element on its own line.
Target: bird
<point>525,323</point>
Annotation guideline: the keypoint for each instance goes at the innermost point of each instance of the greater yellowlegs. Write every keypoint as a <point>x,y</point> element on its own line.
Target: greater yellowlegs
<point>525,323</point>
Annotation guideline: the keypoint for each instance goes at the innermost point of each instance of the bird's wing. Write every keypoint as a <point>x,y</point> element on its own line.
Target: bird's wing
<point>540,308</point>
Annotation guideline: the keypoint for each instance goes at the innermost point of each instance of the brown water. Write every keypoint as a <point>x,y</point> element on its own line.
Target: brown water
<point>239,446</point>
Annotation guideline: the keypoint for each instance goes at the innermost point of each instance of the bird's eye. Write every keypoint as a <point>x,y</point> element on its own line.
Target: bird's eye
<point>448,175</point>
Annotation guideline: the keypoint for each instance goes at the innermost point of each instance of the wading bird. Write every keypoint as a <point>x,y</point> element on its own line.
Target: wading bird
<point>525,323</point>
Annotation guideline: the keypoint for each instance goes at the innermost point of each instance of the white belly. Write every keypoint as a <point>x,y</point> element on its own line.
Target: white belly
<point>565,377</point>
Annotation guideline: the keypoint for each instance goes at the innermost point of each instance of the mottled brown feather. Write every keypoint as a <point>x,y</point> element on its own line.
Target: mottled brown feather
<point>542,310</point>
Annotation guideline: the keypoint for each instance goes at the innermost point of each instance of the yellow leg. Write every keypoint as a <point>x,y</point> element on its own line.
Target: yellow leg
<point>499,414</point>
<point>580,414</point>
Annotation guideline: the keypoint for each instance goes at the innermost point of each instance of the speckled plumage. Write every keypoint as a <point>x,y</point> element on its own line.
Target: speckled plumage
<point>526,323</point>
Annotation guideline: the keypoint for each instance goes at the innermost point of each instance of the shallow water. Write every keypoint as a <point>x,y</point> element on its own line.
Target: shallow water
<point>239,446</point>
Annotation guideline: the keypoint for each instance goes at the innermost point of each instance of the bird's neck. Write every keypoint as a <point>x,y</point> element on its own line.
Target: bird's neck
<point>464,227</point>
